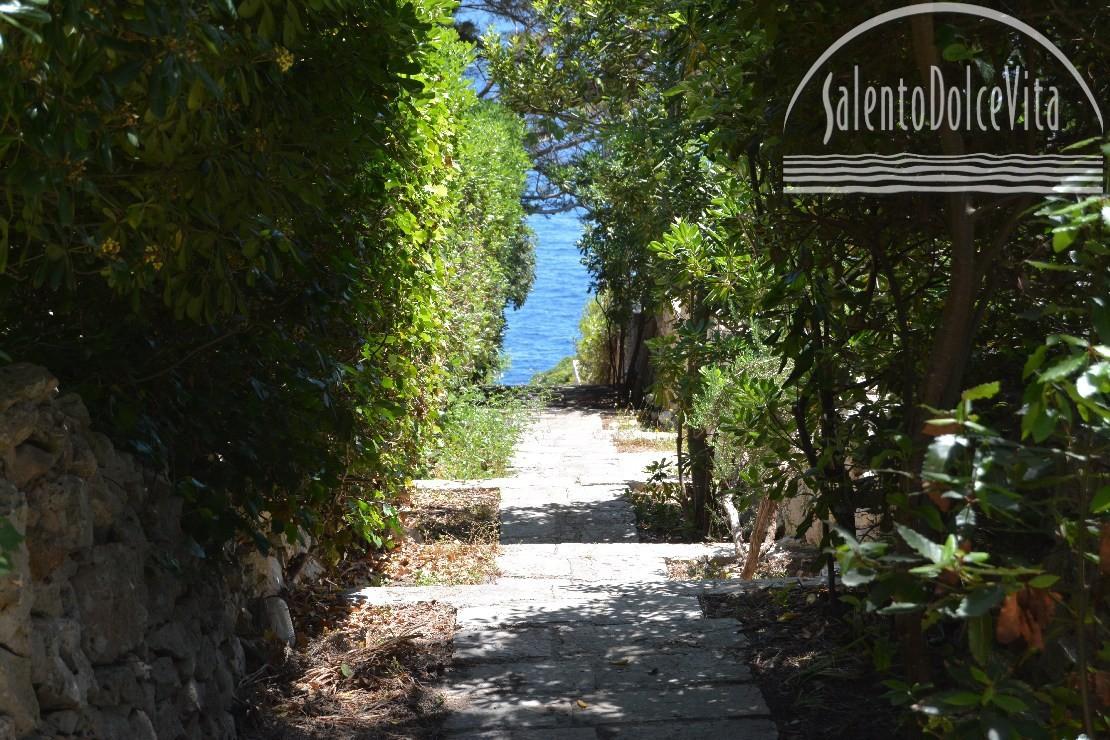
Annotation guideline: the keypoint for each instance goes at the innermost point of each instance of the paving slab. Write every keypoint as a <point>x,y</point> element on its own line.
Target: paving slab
<point>582,637</point>
<point>513,710</point>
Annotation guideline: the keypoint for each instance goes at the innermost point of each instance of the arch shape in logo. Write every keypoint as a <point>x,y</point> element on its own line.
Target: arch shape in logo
<point>975,172</point>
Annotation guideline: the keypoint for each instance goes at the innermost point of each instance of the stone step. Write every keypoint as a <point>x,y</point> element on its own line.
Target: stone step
<point>606,641</point>
<point>729,729</point>
<point>662,670</point>
<point>714,702</point>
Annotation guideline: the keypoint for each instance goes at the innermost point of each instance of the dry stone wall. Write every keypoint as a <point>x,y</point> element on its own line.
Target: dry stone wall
<point>110,624</point>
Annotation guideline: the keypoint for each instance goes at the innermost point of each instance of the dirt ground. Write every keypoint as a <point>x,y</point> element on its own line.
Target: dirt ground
<point>814,671</point>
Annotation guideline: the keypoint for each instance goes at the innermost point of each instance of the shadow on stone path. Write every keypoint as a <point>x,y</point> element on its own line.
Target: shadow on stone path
<point>582,636</point>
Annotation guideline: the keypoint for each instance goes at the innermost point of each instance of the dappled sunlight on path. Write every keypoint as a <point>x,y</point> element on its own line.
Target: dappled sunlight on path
<point>582,636</point>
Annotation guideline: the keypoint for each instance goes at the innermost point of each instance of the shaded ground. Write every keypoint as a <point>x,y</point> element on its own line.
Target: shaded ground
<point>783,559</point>
<point>360,671</point>
<point>453,539</point>
<point>363,671</point>
<point>814,670</point>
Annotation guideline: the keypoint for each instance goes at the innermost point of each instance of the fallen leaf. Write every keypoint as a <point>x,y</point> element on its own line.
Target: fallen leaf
<point>620,662</point>
<point>581,704</point>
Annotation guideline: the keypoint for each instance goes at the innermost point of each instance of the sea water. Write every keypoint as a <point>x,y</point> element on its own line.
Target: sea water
<point>545,330</point>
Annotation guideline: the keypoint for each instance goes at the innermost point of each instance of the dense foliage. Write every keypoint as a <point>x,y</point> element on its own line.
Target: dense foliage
<point>263,241</point>
<point>937,362</point>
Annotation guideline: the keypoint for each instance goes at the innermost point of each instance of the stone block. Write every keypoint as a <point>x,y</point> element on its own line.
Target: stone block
<point>264,574</point>
<point>161,516</point>
<point>63,722</point>
<point>61,674</point>
<point>277,620</point>
<point>501,646</point>
<point>59,522</point>
<point>16,590</point>
<point>17,424</point>
<point>23,381</point>
<point>82,461</point>
<point>27,463</point>
<point>17,695</point>
<point>172,639</point>
<point>53,595</point>
<point>111,598</point>
<point>77,414</point>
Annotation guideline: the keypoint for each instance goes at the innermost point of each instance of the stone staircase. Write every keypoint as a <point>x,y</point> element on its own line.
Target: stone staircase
<point>583,636</point>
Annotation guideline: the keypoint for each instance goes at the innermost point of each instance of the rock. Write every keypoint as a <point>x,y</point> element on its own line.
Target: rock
<point>111,598</point>
<point>54,596</point>
<point>64,722</point>
<point>276,619</point>
<point>171,639</point>
<point>59,522</point>
<point>164,587</point>
<point>109,724</point>
<point>264,574</point>
<point>22,381</point>
<point>141,726</point>
<point>192,697</point>
<point>309,572</point>
<point>26,463</point>
<point>16,592</point>
<point>17,423</point>
<point>103,448</point>
<point>167,723</point>
<point>164,675</point>
<point>61,673</point>
<point>71,405</point>
<point>207,658</point>
<point>107,503</point>
<point>17,696</point>
<point>222,680</point>
<point>83,461</point>
<point>161,516</point>
<point>236,657</point>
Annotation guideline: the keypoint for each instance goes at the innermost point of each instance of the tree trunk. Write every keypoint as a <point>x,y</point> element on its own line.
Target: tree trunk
<point>761,532</point>
<point>701,468</point>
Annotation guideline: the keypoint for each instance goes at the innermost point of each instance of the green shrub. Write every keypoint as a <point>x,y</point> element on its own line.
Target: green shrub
<point>262,240</point>
<point>597,349</point>
<point>561,374</point>
<point>478,433</point>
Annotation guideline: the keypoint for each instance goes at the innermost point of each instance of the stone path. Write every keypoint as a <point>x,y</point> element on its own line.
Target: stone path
<point>582,636</point>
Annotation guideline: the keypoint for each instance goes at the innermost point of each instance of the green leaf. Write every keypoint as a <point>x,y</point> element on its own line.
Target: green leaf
<point>921,544</point>
<point>1063,238</point>
<point>957,52</point>
<point>980,601</point>
<point>962,699</point>
<point>1035,361</point>
<point>1064,368</point>
<point>9,537</point>
<point>979,392</point>
<point>1044,581</point>
<point>249,8</point>
<point>980,638</point>
<point>1011,704</point>
<point>1100,504</point>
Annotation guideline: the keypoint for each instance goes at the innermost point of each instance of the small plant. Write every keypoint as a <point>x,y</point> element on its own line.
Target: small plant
<point>478,433</point>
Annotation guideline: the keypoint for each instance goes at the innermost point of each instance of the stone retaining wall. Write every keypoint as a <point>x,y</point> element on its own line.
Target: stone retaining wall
<point>110,624</point>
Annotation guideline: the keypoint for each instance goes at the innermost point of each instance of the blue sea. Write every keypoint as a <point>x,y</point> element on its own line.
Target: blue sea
<point>545,330</point>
